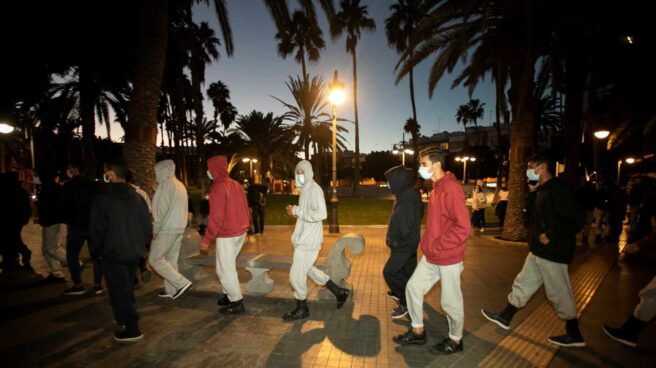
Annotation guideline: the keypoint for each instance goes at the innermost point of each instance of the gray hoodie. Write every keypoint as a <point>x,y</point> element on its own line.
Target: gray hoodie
<point>170,201</point>
<point>310,212</point>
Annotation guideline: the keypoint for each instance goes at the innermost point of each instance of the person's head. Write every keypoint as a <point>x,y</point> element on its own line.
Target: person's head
<point>116,172</point>
<point>540,167</point>
<point>303,174</point>
<point>73,170</point>
<point>129,176</point>
<point>431,163</point>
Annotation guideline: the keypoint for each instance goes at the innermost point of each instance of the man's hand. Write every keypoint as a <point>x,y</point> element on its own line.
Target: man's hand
<point>290,210</point>
<point>631,248</point>
<point>544,239</point>
<point>204,245</point>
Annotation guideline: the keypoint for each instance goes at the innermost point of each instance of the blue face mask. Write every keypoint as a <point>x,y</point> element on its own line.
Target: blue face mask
<point>532,175</point>
<point>300,180</point>
<point>209,175</point>
<point>425,173</point>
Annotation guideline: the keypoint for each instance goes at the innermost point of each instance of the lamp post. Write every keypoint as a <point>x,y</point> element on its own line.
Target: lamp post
<point>403,151</point>
<point>250,161</point>
<point>336,97</point>
<point>464,160</point>
<point>4,129</point>
<point>629,161</point>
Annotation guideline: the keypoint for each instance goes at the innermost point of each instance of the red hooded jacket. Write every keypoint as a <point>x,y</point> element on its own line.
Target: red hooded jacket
<point>447,223</point>
<point>229,214</point>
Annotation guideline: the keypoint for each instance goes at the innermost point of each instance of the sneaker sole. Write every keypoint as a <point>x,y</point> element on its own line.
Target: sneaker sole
<point>165,296</point>
<point>507,328</point>
<point>181,291</point>
<point>76,293</point>
<point>99,292</point>
<point>621,341</point>
<point>400,316</point>
<point>572,345</point>
<point>129,339</point>
<point>396,299</point>
<point>411,343</point>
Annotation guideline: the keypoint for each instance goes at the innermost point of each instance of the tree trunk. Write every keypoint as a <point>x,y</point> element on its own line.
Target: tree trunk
<point>87,92</point>
<point>412,95</point>
<point>141,135</point>
<point>574,84</point>
<point>200,143</point>
<point>356,174</point>
<point>305,76</point>
<point>499,98</point>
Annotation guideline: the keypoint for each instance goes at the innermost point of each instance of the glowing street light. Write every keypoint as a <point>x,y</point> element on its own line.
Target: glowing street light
<point>601,134</point>
<point>336,97</point>
<point>464,160</point>
<point>629,161</point>
<point>250,161</point>
<point>403,151</point>
<point>6,128</point>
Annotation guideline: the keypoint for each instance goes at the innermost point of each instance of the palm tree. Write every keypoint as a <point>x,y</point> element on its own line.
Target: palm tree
<point>400,27</point>
<point>476,110</point>
<point>219,94</point>
<point>280,12</point>
<point>412,126</point>
<point>149,59</point>
<point>302,35</point>
<point>352,19</point>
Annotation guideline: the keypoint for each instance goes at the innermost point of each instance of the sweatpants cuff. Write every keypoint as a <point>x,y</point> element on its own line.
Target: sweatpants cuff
<point>455,338</point>
<point>417,325</point>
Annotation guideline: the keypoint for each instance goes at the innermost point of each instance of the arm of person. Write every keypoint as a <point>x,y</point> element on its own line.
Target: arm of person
<point>458,213</point>
<point>98,226</point>
<point>570,212</point>
<point>317,211</point>
<point>162,206</point>
<point>409,214</point>
<point>215,219</point>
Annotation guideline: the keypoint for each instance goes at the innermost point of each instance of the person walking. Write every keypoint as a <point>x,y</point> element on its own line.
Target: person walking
<point>556,216</point>
<point>256,194</point>
<point>142,266</point>
<point>119,228</point>
<point>502,204</point>
<point>169,223</point>
<point>307,239</point>
<point>51,220</point>
<point>478,208</point>
<point>402,235</point>
<point>443,245</point>
<point>228,226</point>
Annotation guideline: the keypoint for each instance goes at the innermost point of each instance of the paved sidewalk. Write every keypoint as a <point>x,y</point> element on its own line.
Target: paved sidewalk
<point>40,327</point>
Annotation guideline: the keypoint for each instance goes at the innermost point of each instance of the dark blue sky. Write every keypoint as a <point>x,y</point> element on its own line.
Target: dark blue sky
<point>256,72</point>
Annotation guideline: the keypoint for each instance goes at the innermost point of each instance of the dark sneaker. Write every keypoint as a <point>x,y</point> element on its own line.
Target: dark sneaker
<point>391,295</point>
<point>447,346</point>
<point>145,277</point>
<point>234,308</point>
<point>410,338</point>
<point>128,336</point>
<point>75,290</point>
<point>621,336</point>
<point>181,291</point>
<point>567,341</point>
<point>223,301</point>
<point>98,290</point>
<point>399,312</point>
<point>52,279</point>
<point>163,294</point>
<point>342,297</point>
<point>496,318</point>
<point>296,314</point>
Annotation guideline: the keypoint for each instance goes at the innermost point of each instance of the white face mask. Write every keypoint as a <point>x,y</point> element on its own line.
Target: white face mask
<point>209,175</point>
<point>105,178</point>
<point>69,174</point>
<point>300,180</point>
<point>425,172</point>
<point>532,175</point>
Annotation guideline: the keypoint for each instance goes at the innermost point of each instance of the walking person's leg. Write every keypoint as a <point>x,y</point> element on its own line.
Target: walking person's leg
<point>53,254</point>
<point>397,272</point>
<point>452,303</point>
<point>74,242</point>
<point>257,225</point>
<point>228,249</point>
<point>302,262</point>
<point>163,259</point>
<point>260,211</point>
<point>119,279</point>
<point>644,312</point>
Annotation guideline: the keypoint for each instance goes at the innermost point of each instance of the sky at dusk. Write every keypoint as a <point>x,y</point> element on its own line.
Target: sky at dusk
<point>256,72</point>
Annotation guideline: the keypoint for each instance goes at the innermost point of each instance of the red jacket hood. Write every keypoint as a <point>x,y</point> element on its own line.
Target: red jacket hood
<point>447,178</point>
<point>218,167</point>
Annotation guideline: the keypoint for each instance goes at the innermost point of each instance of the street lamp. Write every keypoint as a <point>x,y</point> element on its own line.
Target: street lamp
<point>250,161</point>
<point>403,152</point>
<point>336,97</point>
<point>464,160</point>
<point>601,134</point>
<point>6,128</point>
<point>629,161</point>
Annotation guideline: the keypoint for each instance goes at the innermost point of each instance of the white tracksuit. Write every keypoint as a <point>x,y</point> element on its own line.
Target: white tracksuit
<point>308,234</point>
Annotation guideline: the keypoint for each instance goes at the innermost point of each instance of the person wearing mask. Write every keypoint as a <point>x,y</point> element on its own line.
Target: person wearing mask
<point>142,265</point>
<point>443,245</point>
<point>478,208</point>
<point>256,201</point>
<point>78,194</point>
<point>228,227</point>
<point>51,220</point>
<point>119,228</point>
<point>502,204</point>
<point>402,235</point>
<point>556,216</point>
<point>307,239</point>
<point>169,223</point>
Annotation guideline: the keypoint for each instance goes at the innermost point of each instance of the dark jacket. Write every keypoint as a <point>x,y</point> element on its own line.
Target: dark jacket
<point>555,211</point>
<point>16,209</point>
<point>254,194</point>
<point>50,199</point>
<point>403,228</point>
<point>119,226</point>
<point>78,194</point>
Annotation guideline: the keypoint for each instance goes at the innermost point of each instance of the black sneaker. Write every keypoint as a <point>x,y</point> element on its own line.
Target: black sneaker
<point>223,301</point>
<point>391,295</point>
<point>400,312</point>
<point>296,314</point>
<point>128,336</point>
<point>98,290</point>
<point>496,318</point>
<point>621,336</point>
<point>181,291</point>
<point>75,290</point>
<point>410,338</point>
<point>567,341</point>
<point>163,294</point>
<point>52,279</point>
<point>447,346</point>
<point>145,277</point>
<point>234,308</point>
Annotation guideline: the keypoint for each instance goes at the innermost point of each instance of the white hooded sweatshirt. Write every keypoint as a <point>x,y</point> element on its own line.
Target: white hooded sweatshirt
<point>310,212</point>
<point>170,202</point>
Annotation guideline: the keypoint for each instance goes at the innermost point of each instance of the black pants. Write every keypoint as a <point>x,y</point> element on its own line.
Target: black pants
<point>12,244</point>
<point>258,219</point>
<point>500,211</point>
<point>119,277</point>
<point>478,218</point>
<point>397,272</point>
<point>74,242</point>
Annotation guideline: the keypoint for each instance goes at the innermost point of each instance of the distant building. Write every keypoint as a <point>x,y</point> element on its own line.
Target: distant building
<point>454,142</point>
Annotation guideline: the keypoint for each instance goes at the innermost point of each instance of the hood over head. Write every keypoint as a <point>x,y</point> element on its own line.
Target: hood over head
<point>164,170</point>
<point>306,166</point>
<point>399,177</point>
<point>218,167</point>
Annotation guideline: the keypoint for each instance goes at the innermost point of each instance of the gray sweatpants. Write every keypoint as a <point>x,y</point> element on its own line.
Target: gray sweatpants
<point>646,310</point>
<point>302,267</point>
<point>52,249</point>
<point>164,253</point>
<point>554,276</point>
<point>426,275</point>
<point>227,250</point>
